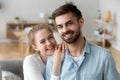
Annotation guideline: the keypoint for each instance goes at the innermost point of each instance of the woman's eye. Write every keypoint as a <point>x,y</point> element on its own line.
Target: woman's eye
<point>51,37</point>
<point>42,41</point>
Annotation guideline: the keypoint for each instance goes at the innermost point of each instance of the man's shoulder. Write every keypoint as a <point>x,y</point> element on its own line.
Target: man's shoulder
<point>97,50</point>
<point>93,45</point>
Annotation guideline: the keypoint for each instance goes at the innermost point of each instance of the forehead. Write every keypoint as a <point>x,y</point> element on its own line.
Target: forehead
<point>43,33</point>
<point>64,18</point>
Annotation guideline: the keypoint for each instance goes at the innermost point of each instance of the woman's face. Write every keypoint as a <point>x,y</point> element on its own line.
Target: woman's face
<point>45,42</point>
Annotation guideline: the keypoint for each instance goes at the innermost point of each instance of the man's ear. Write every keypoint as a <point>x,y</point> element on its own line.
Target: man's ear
<point>81,21</point>
<point>34,47</point>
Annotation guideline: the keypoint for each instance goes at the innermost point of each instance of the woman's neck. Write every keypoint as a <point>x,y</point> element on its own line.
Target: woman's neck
<point>43,57</point>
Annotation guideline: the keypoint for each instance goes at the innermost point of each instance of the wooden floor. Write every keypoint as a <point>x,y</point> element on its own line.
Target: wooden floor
<point>10,51</point>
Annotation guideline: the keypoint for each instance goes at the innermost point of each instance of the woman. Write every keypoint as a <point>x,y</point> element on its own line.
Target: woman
<point>42,43</point>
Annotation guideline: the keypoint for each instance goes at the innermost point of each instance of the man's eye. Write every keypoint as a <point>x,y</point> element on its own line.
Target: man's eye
<point>70,23</point>
<point>59,27</point>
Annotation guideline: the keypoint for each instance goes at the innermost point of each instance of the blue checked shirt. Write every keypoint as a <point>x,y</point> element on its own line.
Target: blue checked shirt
<point>96,64</point>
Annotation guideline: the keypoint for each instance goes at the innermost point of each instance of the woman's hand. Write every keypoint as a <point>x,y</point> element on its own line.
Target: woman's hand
<point>59,54</point>
<point>58,58</point>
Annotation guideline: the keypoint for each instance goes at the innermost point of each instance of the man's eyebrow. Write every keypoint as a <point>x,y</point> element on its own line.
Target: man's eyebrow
<point>68,22</point>
<point>58,25</point>
<point>64,23</point>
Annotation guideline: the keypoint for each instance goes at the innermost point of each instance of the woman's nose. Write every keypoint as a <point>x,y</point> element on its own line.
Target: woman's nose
<point>48,42</point>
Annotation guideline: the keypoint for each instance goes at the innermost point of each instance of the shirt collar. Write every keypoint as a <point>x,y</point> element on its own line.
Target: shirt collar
<point>86,49</point>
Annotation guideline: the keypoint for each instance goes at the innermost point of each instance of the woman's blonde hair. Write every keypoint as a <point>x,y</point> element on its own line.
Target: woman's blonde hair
<point>31,35</point>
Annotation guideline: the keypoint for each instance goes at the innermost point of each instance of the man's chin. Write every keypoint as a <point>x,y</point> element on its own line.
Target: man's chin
<point>69,41</point>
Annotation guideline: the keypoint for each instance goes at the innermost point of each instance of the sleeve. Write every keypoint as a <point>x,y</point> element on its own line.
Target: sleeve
<point>110,72</point>
<point>53,77</point>
<point>48,70</point>
<point>31,70</point>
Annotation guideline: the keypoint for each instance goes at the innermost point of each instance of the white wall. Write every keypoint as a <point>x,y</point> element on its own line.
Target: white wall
<point>29,10</point>
<point>114,7</point>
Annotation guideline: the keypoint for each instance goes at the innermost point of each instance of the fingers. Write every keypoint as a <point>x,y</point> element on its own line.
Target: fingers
<point>60,47</point>
<point>63,48</point>
<point>59,53</point>
<point>65,44</point>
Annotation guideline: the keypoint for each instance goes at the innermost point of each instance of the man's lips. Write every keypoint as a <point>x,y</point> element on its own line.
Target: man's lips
<point>67,36</point>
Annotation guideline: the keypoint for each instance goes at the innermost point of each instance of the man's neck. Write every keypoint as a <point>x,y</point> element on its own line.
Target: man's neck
<point>76,49</point>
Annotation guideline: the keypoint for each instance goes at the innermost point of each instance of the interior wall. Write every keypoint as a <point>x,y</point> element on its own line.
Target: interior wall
<point>29,10</point>
<point>114,7</point>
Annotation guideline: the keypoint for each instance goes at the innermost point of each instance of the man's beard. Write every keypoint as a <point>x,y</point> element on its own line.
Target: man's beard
<point>72,39</point>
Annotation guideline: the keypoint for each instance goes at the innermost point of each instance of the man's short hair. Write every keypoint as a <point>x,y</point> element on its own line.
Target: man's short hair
<point>66,8</point>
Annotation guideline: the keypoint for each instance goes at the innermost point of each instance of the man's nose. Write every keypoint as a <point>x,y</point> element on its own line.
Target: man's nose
<point>65,29</point>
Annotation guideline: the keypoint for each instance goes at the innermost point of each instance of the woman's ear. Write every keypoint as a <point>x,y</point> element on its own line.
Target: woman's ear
<point>34,47</point>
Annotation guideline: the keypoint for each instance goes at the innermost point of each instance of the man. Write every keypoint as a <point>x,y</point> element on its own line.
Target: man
<point>83,60</point>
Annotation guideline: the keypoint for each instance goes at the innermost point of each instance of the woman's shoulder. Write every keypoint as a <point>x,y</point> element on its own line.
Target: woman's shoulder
<point>32,59</point>
<point>33,66</point>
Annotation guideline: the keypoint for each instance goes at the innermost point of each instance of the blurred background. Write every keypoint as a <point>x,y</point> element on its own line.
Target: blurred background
<point>17,17</point>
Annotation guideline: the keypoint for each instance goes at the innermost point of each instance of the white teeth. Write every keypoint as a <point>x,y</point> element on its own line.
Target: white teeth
<point>50,48</point>
<point>67,36</point>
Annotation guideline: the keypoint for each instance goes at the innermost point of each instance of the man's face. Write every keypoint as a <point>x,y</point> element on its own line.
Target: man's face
<point>68,27</point>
